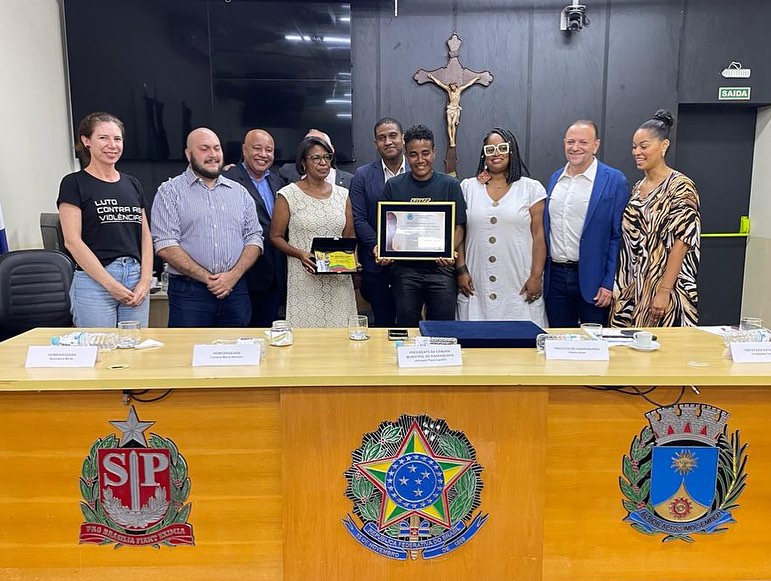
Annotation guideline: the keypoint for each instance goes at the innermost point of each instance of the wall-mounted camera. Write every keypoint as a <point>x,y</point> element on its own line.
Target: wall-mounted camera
<point>573,18</point>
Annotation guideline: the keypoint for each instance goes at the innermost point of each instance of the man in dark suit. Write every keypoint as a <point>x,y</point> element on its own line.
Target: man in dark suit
<point>336,176</point>
<point>266,280</point>
<point>582,224</point>
<point>365,192</point>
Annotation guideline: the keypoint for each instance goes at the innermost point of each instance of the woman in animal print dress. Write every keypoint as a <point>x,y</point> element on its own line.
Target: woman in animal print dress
<point>659,258</point>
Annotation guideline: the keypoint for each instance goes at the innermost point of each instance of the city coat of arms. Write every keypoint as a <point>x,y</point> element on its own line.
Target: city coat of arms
<point>415,485</point>
<point>134,491</point>
<point>684,473</point>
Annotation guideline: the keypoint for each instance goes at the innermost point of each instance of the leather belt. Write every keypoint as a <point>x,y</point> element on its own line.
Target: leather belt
<point>569,265</point>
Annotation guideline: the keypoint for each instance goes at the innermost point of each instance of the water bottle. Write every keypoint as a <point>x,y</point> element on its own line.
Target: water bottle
<point>749,336</point>
<point>540,340</point>
<point>104,341</point>
<point>165,278</point>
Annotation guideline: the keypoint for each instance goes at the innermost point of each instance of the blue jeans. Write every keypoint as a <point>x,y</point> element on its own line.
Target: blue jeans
<point>565,307</point>
<point>93,306</point>
<point>191,304</point>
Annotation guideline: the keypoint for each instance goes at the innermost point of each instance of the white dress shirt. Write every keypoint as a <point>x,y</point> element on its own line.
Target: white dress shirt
<point>388,174</point>
<point>568,204</point>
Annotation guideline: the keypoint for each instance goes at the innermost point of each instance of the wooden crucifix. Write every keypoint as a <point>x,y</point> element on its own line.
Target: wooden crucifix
<point>454,79</point>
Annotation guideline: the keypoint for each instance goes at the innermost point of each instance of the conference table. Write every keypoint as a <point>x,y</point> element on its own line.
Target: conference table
<point>266,449</point>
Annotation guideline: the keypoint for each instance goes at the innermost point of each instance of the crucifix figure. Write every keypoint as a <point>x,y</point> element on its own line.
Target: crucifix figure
<point>454,79</point>
<point>453,104</point>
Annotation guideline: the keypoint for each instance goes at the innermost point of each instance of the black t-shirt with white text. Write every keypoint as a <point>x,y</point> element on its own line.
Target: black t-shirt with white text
<point>111,214</point>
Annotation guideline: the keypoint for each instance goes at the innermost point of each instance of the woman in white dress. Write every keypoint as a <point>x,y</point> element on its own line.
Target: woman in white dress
<point>500,268</point>
<point>309,208</point>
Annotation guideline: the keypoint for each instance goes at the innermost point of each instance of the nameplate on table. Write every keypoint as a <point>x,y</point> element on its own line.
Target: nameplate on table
<point>576,350</point>
<point>429,356</point>
<point>751,352</point>
<point>61,356</point>
<point>209,355</point>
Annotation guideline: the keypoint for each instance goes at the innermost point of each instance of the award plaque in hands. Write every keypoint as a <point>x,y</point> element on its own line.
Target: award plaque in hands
<point>334,255</point>
<point>416,231</point>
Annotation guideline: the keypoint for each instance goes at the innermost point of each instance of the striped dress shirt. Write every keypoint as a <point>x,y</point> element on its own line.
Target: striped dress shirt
<point>211,225</point>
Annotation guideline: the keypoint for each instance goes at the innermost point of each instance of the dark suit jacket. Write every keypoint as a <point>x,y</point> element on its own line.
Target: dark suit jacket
<point>288,171</point>
<point>270,268</point>
<point>365,192</point>
<point>601,236</point>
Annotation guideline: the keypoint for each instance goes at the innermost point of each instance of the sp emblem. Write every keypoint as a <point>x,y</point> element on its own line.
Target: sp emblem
<point>684,473</point>
<point>414,484</point>
<point>134,491</point>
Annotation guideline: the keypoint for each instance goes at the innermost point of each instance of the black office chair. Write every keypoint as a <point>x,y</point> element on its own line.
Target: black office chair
<point>51,233</point>
<point>34,291</point>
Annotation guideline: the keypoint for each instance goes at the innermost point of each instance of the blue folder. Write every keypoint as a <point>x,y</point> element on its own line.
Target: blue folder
<point>484,333</point>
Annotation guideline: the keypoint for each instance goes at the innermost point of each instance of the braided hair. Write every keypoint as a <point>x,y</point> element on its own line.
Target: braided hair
<point>517,168</point>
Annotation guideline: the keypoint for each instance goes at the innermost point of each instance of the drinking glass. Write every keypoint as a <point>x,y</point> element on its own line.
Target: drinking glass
<point>129,333</point>
<point>357,328</point>
<point>593,330</point>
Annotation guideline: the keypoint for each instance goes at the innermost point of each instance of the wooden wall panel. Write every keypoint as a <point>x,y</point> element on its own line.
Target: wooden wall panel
<point>585,537</point>
<point>506,427</point>
<point>230,441</point>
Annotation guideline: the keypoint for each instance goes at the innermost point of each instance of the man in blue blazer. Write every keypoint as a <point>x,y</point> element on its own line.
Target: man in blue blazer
<point>266,280</point>
<point>366,191</point>
<point>582,223</point>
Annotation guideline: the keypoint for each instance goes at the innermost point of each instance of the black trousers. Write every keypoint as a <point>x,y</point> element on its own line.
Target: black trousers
<point>416,286</point>
<point>376,290</point>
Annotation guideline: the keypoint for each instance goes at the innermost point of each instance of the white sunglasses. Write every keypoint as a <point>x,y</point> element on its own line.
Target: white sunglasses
<point>501,148</point>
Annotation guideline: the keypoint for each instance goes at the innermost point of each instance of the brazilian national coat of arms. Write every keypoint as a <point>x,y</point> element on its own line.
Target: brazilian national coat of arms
<point>415,485</point>
<point>684,473</point>
<point>134,491</point>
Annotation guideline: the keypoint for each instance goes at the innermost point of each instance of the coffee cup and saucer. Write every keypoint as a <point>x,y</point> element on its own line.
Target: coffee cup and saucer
<point>643,341</point>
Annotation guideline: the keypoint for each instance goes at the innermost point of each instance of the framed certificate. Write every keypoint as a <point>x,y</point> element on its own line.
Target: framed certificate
<point>416,231</point>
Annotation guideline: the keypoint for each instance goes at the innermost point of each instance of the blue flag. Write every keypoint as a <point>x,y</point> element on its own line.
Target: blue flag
<point>3,239</point>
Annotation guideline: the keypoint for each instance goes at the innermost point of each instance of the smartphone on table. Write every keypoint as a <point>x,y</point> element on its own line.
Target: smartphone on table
<point>397,334</point>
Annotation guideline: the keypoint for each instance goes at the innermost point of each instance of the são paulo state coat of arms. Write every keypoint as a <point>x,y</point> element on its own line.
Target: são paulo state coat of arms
<point>684,472</point>
<point>134,490</point>
<point>415,485</point>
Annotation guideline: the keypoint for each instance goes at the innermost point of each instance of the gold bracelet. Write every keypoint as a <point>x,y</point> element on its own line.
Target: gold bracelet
<point>666,288</point>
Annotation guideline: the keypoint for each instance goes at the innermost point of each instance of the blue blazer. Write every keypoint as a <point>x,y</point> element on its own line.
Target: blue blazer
<point>365,192</point>
<point>270,268</point>
<point>601,236</point>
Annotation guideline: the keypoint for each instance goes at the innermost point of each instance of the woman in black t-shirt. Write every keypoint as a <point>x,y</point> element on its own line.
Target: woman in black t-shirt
<point>106,231</point>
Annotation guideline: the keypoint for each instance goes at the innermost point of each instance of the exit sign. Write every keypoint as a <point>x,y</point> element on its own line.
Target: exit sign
<point>733,94</point>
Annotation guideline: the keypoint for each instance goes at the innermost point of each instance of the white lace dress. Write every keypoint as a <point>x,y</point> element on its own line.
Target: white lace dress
<point>316,300</point>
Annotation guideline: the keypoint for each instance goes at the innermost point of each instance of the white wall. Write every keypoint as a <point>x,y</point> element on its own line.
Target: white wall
<point>35,149</point>
<point>756,300</point>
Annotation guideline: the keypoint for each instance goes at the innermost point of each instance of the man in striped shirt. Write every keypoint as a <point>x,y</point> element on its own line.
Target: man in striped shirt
<point>205,226</point>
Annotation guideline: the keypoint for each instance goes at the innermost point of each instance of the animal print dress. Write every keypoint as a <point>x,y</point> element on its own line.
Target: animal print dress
<point>649,229</point>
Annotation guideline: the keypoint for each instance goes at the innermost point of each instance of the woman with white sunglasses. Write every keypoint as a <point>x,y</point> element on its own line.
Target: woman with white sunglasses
<point>500,268</point>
